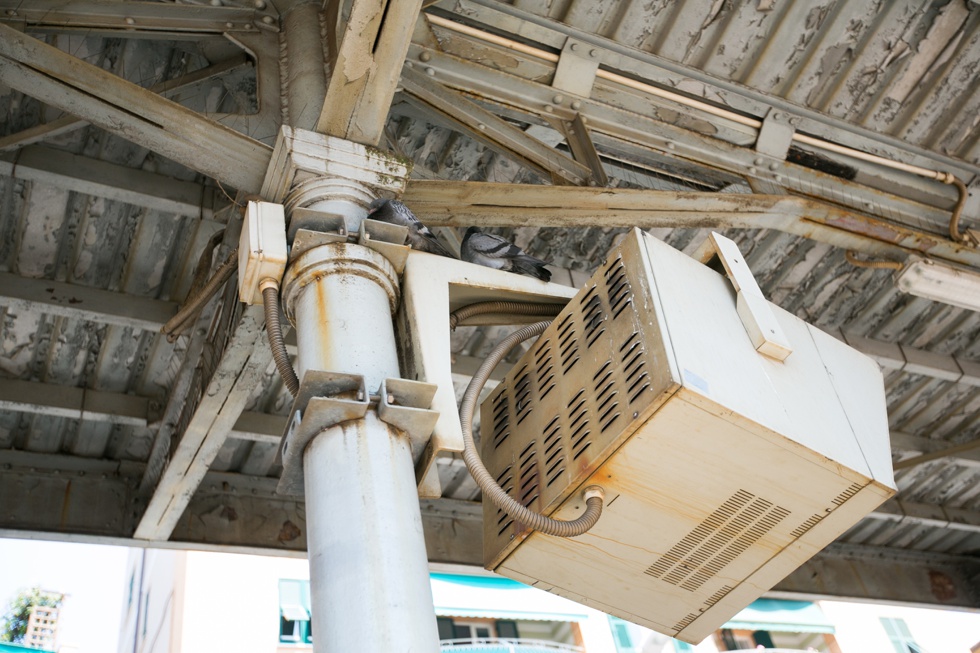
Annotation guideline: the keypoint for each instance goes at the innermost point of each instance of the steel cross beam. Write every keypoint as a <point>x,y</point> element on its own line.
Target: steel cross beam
<point>449,203</point>
<point>137,17</point>
<point>237,513</point>
<point>130,111</point>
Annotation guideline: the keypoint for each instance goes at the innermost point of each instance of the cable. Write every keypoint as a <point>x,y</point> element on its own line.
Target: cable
<point>852,258</point>
<point>270,301</point>
<point>176,325</point>
<point>954,221</point>
<point>491,490</point>
<point>507,308</point>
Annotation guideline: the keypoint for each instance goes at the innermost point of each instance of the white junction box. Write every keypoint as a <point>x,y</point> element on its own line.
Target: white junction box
<point>262,252</point>
<point>724,469</point>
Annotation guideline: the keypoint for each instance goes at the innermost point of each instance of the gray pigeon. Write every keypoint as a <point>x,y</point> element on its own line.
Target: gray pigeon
<point>419,236</point>
<point>495,252</point>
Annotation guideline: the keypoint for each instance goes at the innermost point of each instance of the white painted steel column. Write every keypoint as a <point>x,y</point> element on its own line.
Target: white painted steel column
<point>368,566</point>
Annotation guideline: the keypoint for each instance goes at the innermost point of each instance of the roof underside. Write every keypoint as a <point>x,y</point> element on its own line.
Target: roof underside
<point>93,259</point>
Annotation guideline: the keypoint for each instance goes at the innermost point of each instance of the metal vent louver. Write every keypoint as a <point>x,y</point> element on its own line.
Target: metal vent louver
<point>587,376</point>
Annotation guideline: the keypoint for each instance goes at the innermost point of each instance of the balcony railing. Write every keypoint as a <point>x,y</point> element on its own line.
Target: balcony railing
<point>505,645</point>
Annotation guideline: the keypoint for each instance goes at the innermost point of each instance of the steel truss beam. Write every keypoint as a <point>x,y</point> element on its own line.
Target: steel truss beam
<point>90,176</point>
<point>95,502</point>
<point>677,135</point>
<point>451,108</point>
<point>137,17</point>
<point>130,111</point>
<point>447,203</point>
<point>510,18</point>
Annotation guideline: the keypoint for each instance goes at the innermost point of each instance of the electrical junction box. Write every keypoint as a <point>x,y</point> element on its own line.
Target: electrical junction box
<point>262,250</point>
<point>724,469</point>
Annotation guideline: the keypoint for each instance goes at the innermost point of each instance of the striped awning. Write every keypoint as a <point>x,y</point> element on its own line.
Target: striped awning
<point>494,597</point>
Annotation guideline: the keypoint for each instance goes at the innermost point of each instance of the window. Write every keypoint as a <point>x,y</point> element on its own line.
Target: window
<point>902,640</point>
<point>295,626</point>
<point>507,629</point>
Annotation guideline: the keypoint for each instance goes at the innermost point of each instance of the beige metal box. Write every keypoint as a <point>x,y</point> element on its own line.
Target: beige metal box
<point>724,469</point>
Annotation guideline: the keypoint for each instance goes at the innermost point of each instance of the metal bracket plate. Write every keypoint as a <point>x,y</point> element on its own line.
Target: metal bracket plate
<point>405,405</point>
<point>760,322</point>
<point>325,399</point>
<point>577,67</point>
<point>776,135</point>
<point>386,239</point>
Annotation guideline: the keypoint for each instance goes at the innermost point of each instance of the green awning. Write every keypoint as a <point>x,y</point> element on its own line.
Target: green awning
<point>496,597</point>
<point>782,617</point>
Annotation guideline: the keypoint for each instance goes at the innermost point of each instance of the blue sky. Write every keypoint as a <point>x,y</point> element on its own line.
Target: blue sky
<point>93,576</point>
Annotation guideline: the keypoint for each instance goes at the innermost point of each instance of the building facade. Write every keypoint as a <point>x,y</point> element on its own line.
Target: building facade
<point>197,602</point>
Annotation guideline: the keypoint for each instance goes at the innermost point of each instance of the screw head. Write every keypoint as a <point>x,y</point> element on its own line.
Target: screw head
<point>576,105</point>
<point>753,170</point>
<point>431,72</point>
<point>481,127</point>
<point>593,53</point>
<point>574,47</point>
<point>425,56</point>
<point>130,21</point>
<point>778,177</point>
<point>773,166</point>
<point>268,20</point>
<point>229,25</point>
<point>259,4</point>
<point>758,161</point>
<point>558,99</point>
<point>671,146</point>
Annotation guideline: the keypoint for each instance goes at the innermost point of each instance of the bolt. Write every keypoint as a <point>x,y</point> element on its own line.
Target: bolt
<point>753,170</point>
<point>248,25</point>
<point>585,119</point>
<point>216,3</point>
<point>431,72</point>
<point>481,127</point>
<point>671,146</point>
<point>593,53</point>
<point>773,166</point>
<point>592,182</point>
<point>571,132</point>
<point>229,25</point>
<point>558,99</point>
<point>260,4</point>
<point>425,56</point>
<point>548,109</point>
<point>391,398</point>
<point>758,161</point>
<point>573,47</point>
<point>11,12</point>
<point>777,116</point>
<point>268,20</point>
<point>778,177</point>
<point>576,105</point>
<point>130,21</point>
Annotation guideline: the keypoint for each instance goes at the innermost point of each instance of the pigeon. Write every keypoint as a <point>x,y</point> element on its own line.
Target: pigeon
<point>419,236</point>
<point>495,252</point>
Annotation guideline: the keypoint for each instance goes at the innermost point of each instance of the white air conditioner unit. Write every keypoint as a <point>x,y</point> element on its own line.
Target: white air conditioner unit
<point>724,469</point>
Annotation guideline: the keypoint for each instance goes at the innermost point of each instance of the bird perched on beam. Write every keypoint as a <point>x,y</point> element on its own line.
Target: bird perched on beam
<point>495,252</point>
<point>419,236</point>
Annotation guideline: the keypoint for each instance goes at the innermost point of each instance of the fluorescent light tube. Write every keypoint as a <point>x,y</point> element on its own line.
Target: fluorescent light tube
<point>940,282</point>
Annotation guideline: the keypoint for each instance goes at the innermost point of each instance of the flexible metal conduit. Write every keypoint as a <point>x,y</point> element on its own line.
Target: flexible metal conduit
<point>852,258</point>
<point>270,301</point>
<point>491,490</point>
<point>506,309</point>
<point>180,321</point>
<point>755,123</point>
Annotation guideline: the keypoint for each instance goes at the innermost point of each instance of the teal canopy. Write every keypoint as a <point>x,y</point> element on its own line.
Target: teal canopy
<point>782,617</point>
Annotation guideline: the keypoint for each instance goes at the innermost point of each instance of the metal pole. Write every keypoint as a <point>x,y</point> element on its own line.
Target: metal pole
<point>368,565</point>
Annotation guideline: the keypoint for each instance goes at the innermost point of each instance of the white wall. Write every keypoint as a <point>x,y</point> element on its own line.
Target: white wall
<point>232,601</point>
<point>147,617</point>
<point>938,631</point>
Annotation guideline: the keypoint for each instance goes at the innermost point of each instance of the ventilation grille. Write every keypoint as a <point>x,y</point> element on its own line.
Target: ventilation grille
<point>731,529</point>
<point>815,519</point>
<point>573,395</point>
<point>689,619</point>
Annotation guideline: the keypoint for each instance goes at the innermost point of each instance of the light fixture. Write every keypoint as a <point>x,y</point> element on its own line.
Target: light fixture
<point>940,282</point>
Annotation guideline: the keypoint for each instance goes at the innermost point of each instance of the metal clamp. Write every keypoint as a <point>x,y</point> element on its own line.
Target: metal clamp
<point>405,405</point>
<point>325,399</point>
<point>387,240</point>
